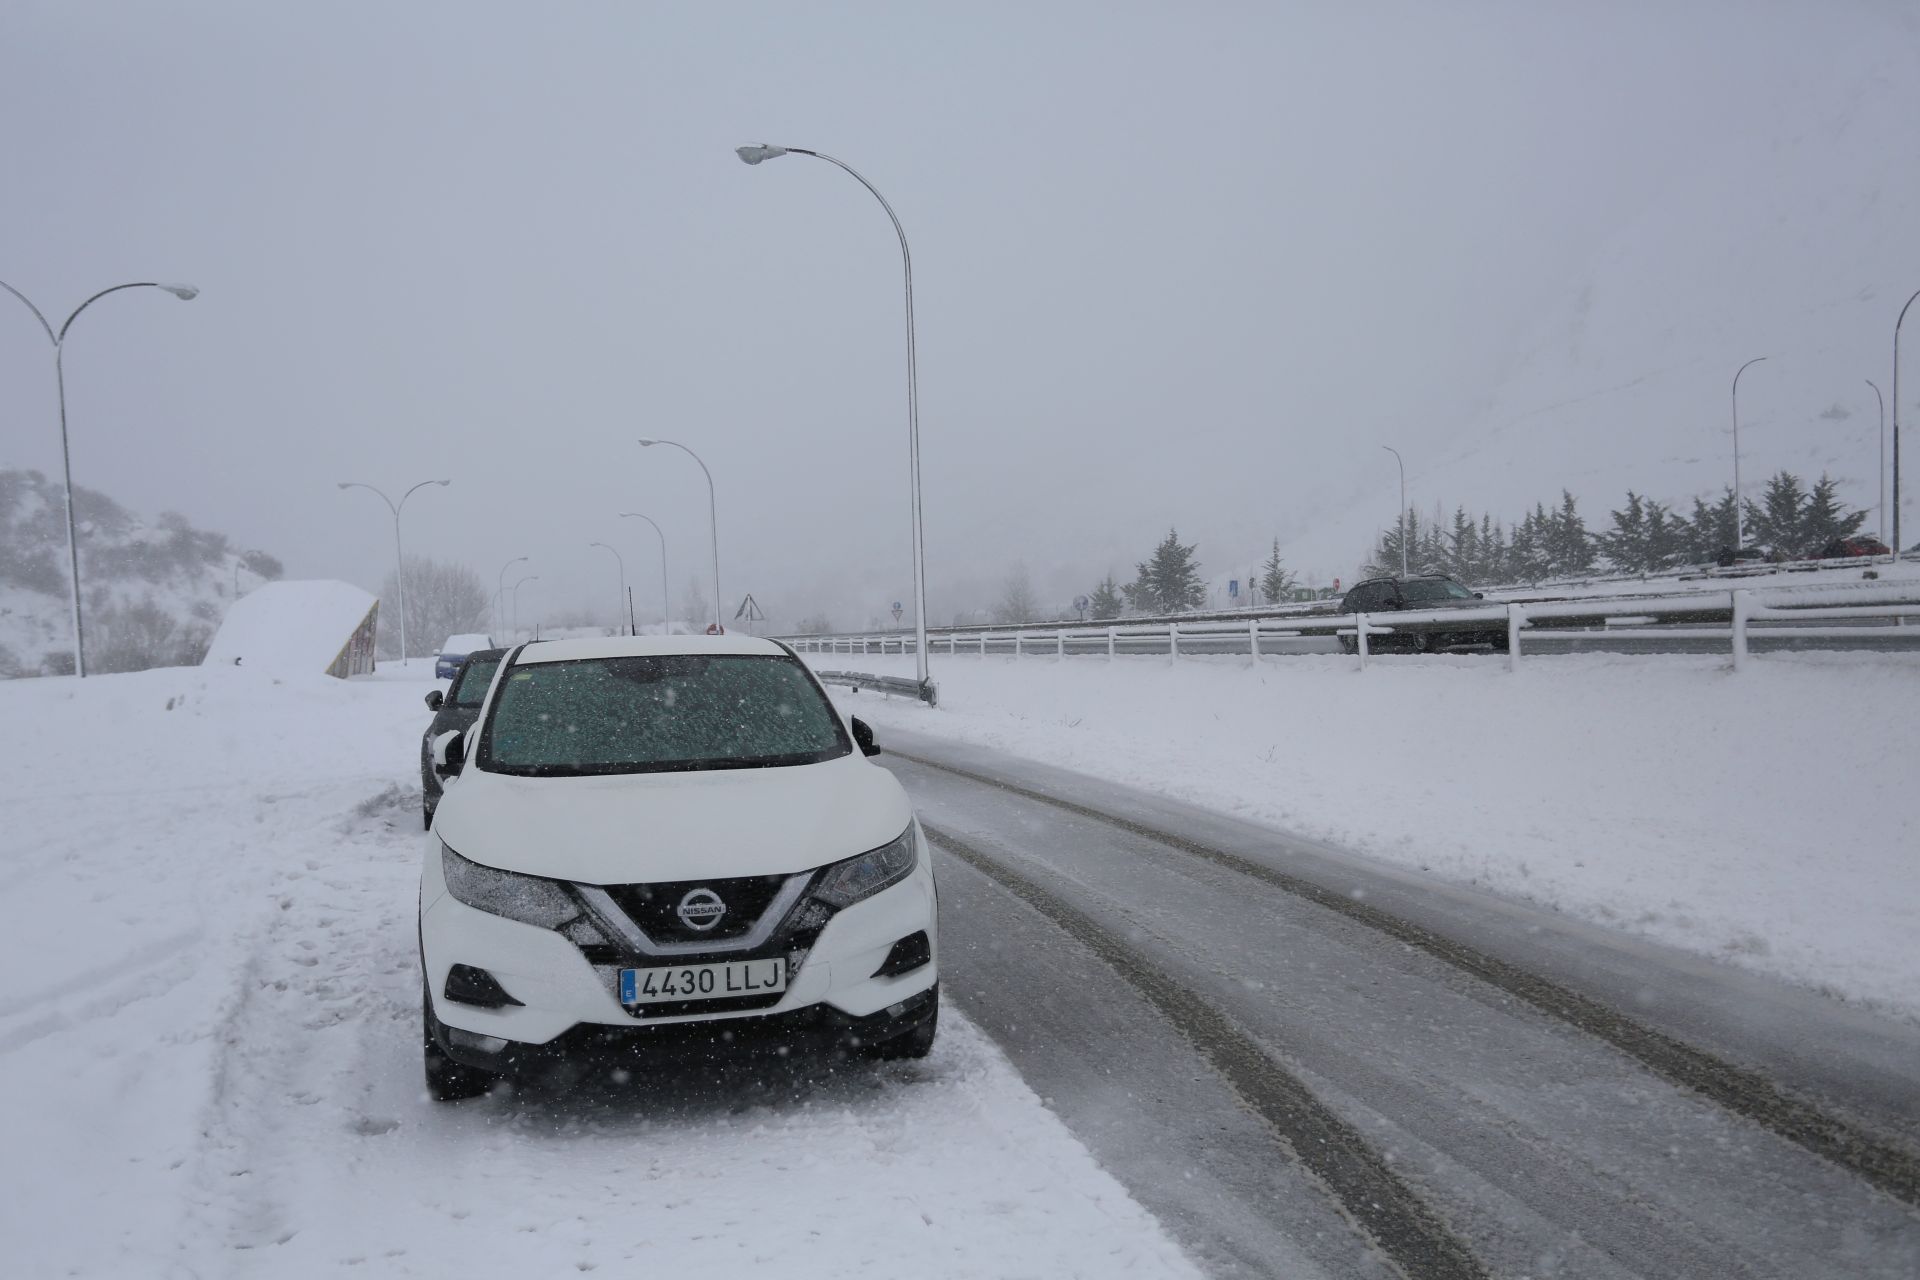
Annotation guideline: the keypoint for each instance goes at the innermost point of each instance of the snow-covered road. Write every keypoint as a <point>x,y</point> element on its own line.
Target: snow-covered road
<point>209,1044</point>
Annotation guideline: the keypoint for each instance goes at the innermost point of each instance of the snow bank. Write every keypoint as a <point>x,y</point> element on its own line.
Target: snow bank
<point>290,627</point>
<point>209,1044</point>
<point>1767,818</point>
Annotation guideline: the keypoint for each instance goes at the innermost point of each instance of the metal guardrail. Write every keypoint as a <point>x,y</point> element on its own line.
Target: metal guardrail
<point>1879,611</point>
<point>898,686</point>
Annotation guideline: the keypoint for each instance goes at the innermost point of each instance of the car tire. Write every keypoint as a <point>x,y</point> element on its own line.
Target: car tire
<point>917,1043</point>
<point>447,1080</point>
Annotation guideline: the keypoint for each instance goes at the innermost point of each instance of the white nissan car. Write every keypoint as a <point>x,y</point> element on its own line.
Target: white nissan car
<point>651,841</point>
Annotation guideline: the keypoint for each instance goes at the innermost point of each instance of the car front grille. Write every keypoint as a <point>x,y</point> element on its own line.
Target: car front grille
<point>656,907</point>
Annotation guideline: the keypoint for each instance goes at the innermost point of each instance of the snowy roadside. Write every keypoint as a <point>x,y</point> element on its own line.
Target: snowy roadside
<point>210,1040</point>
<point>1767,819</point>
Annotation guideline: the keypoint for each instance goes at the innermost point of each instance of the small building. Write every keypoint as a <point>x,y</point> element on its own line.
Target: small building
<point>299,628</point>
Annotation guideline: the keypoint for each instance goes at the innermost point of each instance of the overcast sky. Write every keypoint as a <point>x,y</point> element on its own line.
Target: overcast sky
<point>1175,264</point>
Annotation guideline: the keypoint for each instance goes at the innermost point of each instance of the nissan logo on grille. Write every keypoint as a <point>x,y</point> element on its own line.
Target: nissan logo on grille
<point>701,910</point>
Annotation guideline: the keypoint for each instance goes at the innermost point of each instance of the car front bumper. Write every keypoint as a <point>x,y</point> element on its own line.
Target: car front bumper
<point>569,998</point>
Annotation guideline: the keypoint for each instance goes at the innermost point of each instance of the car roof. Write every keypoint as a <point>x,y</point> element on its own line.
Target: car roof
<point>647,647</point>
<point>486,655</point>
<point>471,640</point>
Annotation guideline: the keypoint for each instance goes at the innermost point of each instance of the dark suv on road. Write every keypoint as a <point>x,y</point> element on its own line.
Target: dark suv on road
<point>1425,592</point>
<point>454,710</point>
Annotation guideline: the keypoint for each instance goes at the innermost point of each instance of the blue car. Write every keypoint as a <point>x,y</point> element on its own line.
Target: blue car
<point>455,651</point>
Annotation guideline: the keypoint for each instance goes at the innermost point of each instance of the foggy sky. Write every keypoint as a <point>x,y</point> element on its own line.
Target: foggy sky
<point>1175,265</point>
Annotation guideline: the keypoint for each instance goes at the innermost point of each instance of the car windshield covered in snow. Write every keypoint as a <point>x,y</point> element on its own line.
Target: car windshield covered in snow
<point>470,690</point>
<point>659,713</point>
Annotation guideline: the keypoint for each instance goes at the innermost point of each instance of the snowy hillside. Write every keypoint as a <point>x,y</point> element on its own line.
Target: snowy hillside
<point>155,592</point>
<point>1797,245</point>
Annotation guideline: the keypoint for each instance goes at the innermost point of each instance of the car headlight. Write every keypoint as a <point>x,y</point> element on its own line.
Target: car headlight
<point>846,883</point>
<point>528,899</point>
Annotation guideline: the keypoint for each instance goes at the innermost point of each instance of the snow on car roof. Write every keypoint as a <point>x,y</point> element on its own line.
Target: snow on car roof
<point>466,643</point>
<point>645,646</point>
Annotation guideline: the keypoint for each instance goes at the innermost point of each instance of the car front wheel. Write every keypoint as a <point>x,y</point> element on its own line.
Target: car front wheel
<point>447,1080</point>
<point>917,1043</point>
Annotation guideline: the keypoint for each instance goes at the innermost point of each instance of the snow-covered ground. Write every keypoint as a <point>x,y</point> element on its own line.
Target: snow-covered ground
<point>1768,818</point>
<point>209,1048</point>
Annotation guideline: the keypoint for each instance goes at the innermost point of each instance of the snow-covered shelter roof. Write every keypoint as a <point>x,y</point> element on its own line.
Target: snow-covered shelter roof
<point>297,627</point>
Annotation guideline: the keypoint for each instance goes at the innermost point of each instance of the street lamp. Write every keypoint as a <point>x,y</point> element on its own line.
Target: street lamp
<point>400,558</point>
<point>184,292</point>
<point>1896,420</point>
<point>754,155</point>
<point>618,559</point>
<point>518,583</point>
<point>500,595</point>
<point>713,522</point>
<point>1403,506</point>
<point>1880,490</point>
<point>666,599</point>
<point>1739,525</point>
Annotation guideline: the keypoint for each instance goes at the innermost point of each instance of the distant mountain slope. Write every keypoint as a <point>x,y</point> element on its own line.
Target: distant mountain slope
<point>1799,245</point>
<point>154,592</point>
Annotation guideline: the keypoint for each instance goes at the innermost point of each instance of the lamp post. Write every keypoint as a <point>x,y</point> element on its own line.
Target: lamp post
<point>500,594</point>
<point>619,560</point>
<point>713,522</point>
<point>1403,506</point>
<point>754,155</point>
<point>1880,490</point>
<point>1896,420</point>
<point>400,557</point>
<point>518,583</point>
<point>184,292</point>
<point>666,598</point>
<point>1739,523</point>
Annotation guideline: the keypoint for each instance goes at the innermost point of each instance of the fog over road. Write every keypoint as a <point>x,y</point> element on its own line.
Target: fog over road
<point>1547,1098</point>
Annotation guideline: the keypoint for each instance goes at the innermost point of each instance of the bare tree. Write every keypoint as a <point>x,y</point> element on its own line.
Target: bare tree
<point>694,609</point>
<point>1016,598</point>
<point>443,599</point>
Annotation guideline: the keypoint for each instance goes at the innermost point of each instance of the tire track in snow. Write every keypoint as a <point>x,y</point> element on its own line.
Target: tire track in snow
<point>1360,1180</point>
<point>1745,1093</point>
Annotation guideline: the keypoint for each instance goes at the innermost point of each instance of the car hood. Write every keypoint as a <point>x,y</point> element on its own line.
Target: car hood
<point>650,827</point>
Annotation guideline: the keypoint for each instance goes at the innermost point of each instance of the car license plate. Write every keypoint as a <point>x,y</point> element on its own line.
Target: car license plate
<point>703,981</point>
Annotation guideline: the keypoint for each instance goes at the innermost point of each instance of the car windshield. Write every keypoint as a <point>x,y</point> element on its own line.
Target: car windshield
<point>470,689</point>
<point>1433,591</point>
<point>659,713</point>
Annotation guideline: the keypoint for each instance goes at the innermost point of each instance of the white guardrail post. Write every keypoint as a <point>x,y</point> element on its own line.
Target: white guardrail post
<point>1112,635</point>
<point>1173,642</point>
<point>1360,638</point>
<point>1019,649</point>
<point>1253,638</point>
<point>1742,611</point>
<point>1059,645</point>
<point>1516,619</point>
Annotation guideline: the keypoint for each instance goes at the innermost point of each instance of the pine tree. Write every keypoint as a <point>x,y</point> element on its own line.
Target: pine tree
<point>1711,530</point>
<point>1775,521</point>
<point>1666,537</point>
<point>1106,602</point>
<point>1826,518</point>
<point>1627,546</point>
<point>1569,545</point>
<point>1169,581</point>
<point>1275,582</point>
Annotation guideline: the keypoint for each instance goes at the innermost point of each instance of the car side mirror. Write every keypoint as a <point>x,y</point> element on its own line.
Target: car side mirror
<point>435,699</point>
<point>449,753</point>
<point>1479,595</point>
<point>863,735</point>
